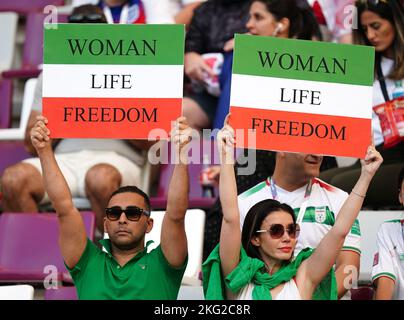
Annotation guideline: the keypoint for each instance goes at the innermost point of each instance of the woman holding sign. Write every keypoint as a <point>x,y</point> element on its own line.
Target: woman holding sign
<point>258,263</point>
<point>286,19</point>
<point>381,25</point>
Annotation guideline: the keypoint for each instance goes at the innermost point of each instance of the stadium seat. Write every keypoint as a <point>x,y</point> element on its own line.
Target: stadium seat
<point>33,49</point>
<point>26,6</point>
<point>29,244</point>
<point>196,200</point>
<point>17,292</point>
<point>191,293</point>
<point>14,151</point>
<point>70,293</point>
<point>32,57</point>
<point>8,27</point>
<point>6,132</point>
<point>6,92</point>
<point>194,228</point>
<point>61,293</point>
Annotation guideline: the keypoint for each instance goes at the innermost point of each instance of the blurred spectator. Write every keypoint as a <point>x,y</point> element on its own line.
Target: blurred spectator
<point>333,17</point>
<point>170,11</point>
<point>381,25</point>
<point>213,24</point>
<point>388,264</point>
<point>93,168</point>
<point>123,11</point>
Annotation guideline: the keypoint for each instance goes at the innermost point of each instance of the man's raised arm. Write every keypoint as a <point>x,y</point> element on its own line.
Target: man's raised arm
<point>72,238</point>
<point>173,237</point>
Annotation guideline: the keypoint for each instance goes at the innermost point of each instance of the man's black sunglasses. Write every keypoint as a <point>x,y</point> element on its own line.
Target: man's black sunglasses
<point>132,213</point>
<point>87,18</point>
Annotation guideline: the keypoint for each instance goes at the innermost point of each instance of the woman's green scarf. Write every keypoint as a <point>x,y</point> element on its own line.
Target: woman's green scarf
<point>253,270</point>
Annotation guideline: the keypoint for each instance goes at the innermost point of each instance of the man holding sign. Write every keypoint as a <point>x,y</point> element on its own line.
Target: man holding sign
<point>302,110</point>
<point>93,168</point>
<point>126,270</point>
<point>100,84</point>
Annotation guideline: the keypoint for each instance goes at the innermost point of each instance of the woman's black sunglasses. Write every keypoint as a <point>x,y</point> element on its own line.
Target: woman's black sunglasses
<point>132,213</point>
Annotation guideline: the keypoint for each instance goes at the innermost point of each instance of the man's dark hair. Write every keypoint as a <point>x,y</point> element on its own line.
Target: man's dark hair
<point>303,23</point>
<point>133,189</point>
<point>87,13</point>
<point>400,178</point>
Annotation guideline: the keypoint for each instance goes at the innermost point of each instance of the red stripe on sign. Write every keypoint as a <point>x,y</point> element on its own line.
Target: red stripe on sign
<point>115,118</point>
<point>302,132</point>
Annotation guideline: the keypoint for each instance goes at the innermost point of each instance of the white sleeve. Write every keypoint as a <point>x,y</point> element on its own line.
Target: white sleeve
<point>353,239</point>
<point>157,11</point>
<point>242,208</point>
<point>383,264</point>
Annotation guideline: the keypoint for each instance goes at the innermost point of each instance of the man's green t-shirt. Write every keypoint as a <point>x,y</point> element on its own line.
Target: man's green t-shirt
<point>147,276</point>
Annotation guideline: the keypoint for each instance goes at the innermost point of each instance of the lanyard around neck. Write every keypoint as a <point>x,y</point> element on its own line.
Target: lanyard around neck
<point>381,78</point>
<point>303,206</point>
<point>123,17</point>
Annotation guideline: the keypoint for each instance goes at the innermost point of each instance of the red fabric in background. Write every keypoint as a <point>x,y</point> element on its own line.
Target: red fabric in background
<point>318,12</point>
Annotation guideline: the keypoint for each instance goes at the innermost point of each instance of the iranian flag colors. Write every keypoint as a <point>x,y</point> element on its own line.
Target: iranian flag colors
<point>112,81</point>
<point>302,96</point>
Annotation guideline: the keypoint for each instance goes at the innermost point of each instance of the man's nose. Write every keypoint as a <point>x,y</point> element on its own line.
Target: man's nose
<point>122,218</point>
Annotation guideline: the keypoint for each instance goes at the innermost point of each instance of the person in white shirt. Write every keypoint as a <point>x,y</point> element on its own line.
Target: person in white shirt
<point>170,11</point>
<point>388,264</point>
<point>380,25</point>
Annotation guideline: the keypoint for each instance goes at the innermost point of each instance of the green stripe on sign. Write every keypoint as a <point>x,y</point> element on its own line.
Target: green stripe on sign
<point>303,60</point>
<point>114,44</point>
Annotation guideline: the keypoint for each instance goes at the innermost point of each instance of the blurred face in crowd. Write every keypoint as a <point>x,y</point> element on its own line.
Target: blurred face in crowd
<point>276,246</point>
<point>302,165</point>
<point>124,233</point>
<point>380,32</point>
<point>264,23</point>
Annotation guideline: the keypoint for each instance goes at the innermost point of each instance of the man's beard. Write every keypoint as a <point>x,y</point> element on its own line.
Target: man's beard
<point>125,246</point>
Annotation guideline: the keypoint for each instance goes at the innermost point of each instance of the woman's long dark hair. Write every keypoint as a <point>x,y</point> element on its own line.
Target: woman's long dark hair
<point>393,11</point>
<point>303,23</point>
<point>254,219</point>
